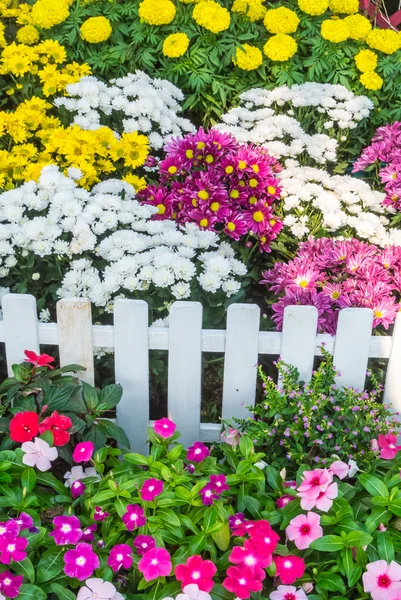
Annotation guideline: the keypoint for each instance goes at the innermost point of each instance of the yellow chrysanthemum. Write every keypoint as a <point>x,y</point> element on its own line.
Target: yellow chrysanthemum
<point>212,16</point>
<point>359,26</point>
<point>280,47</point>
<point>281,20</point>
<point>344,7</point>
<point>313,7</point>
<point>335,30</point>
<point>47,13</point>
<point>366,60</point>
<point>28,35</point>
<point>3,42</point>
<point>139,183</point>
<point>175,45</point>
<point>134,148</point>
<point>157,12</point>
<point>371,80</point>
<point>385,40</point>
<point>253,9</point>
<point>52,49</point>
<point>95,30</point>
<point>249,58</point>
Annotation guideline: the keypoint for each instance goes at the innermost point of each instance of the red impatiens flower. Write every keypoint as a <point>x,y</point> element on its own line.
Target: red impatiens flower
<point>38,360</point>
<point>24,426</point>
<point>243,580</point>
<point>196,570</point>
<point>58,425</point>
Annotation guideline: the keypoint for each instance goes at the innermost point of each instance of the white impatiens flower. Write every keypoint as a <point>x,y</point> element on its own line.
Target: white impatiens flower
<point>150,106</point>
<point>275,119</point>
<point>98,589</point>
<point>38,454</point>
<point>77,473</point>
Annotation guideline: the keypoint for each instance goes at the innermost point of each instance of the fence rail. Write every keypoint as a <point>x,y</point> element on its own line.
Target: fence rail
<point>131,338</point>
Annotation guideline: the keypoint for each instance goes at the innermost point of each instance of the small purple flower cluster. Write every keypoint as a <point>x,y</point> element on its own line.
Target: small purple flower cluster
<point>332,275</point>
<point>212,180</point>
<point>385,148</point>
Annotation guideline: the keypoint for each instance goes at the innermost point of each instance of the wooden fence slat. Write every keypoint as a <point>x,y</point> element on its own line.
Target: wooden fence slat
<point>351,348</point>
<point>185,369</point>
<point>74,323</point>
<point>299,339</point>
<point>392,389</point>
<point>20,327</point>
<point>240,360</point>
<point>131,355</point>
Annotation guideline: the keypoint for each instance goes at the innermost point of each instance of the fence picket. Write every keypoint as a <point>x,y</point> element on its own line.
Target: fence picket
<point>299,339</point>
<point>74,324</point>
<point>131,355</point>
<point>240,360</point>
<point>351,350</point>
<point>185,368</point>
<point>20,327</point>
<point>392,389</point>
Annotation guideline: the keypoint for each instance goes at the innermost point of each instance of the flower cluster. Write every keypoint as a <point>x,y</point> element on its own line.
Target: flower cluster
<point>331,274</point>
<point>95,30</point>
<point>213,181</point>
<point>276,119</point>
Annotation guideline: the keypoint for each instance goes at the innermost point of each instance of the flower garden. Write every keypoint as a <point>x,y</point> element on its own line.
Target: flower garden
<point>217,151</point>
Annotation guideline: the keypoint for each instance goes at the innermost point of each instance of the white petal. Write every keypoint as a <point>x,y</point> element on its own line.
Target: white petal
<point>30,459</point>
<point>43,463</point>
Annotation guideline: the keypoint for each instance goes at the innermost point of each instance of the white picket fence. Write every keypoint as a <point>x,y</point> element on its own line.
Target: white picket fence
<point>131,338</point>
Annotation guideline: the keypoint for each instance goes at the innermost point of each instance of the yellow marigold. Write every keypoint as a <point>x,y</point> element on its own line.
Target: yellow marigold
<point>253,9</point>
<point>366,60</point>
<point>157,12</point>
<point>210,15</point>
<point>371,80</point>
<point>139,183</point>
<point>359,26</point>
<point>313,7</point>
<point>175,45</point>
<point>47,13</point>
<point>24,14</point>
<point>249,58</point>
<point>27,35</point>
<point>335,30</point>
<point>280,47</point>
<point>95,30</point>
<point>281,20</point>
<point>385,40</point>
<point>344,7</point>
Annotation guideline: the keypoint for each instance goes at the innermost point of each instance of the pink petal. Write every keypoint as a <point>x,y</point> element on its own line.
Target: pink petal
<point>394,571</point>
<point>292,532</point>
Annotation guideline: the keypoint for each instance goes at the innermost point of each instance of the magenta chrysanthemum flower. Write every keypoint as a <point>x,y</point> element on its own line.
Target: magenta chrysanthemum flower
<point>120,556</point>
<point>164,427</point>
<point>81,562</point>
<point>155,563</point>
<point>10,584</point>
<point>83,452</point>
<point>12,548</point>
<point>100,514</point>
<point>197,452</point>
<point>151,488</point>
<point>144,543</point>
<point>67,530</point>
<point>134,517</point>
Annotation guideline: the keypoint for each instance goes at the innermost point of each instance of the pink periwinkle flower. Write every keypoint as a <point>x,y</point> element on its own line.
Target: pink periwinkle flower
<point>208,494</point>
<point>340,469</point>
<point>231,436</point>
<point>12,548</point>
<point>374,445</point>
<point>287,592</point>
<point>83,452</point>
<point>236,520</point>
<point>284,500</point>
<point>250,555</point>
<point>164,427</point>
<point>38,454</point>
<point>198,571</point>
<point>263,536</point>
<point>81,562</point>
<point>144,543</point>
<point>151,489</point>
<point>304,529</point>
<point>120,556</point>
<point>388,446</point>
<point>242,580</point>
<point>155,563</point>
<point>134,517</point>
<point>317,490</point>
<point>100,514</point>
<point>24,521</point>
<point>10,526</point>
<point>197,452</point>
<point>67,530</point>
<point>289,568</point>
<point>77,489</point>
<point>10,584</point>
<point>219,483</point>
<point>381,579</point>
<point>97,589</point>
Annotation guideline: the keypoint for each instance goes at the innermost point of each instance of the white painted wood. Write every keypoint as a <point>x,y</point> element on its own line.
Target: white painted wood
<point>20,327</point>
<point>392,389</point>
<point>74,324</point>
<point>131,355</point>
<point>240,360</point>
<point>351,348</point>
<point>298,340</point>
<point>184,369</point>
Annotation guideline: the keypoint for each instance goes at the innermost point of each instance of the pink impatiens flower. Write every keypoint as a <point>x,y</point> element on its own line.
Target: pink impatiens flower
<point>12,548</point>
<point>134,517</point>
<point>151,488</point>
<point>80,562</point>
<point>304,529</point>
<point>243,580</point>
<point>120,556</point>
<point>38,454</point>
<point>381,579</point>
<point>155,563</point>
<point>144,543</point>
<point>196,570</point>
<point>317,490</point>
<point>164,427</point>
<point>197,452</point>
<point>67,530</point>
<point>289,568</point>
<point>388,446</point>
<point>97,589</point>
<point>83,452</point>
<point>287,592</point>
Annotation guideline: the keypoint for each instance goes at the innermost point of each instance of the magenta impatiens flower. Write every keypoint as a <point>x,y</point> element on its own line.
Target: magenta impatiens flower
<point>120,556</point>
<point>10,584</point>
<point>388,446</point>
<point>317,490</point>
<point>12,548</point>
<point>284,500</point>
<point>155,563</point>
<point>151,488</point>
<point>381,579</point>
<point>83,452</point>
<point>208,494</point>
<point>197,452</point>
<point>250,555</point>
<point>134,517</point>
<point>81,562</point>
<point>144,543</point>
<point>304,529</point>
<point>100,514</point>
<point>288,592</point>
<point>236,520</point>
<point>289,568</point>
<point>164,427</point>
<point>219,483</point>
<point>196,570</point>
<point>242,581</point>
<point>88,534</point>
<point>77,489</point>
<point>67,530</point>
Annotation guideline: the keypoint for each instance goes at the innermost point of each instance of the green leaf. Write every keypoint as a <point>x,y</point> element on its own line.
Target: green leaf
<point>395,506</point>
<point>59,398</point>
<point>51,564</point>
<point>273,478</point>
<point>136,459</point>
<point>110,396</point>
<point>28,479</point>
<point>61,592</point>
<point>246,446</point>
<point>385,546</point>
<point>374,485</point>
<point>89,396</point>
<point>328,543</point>
<point>377,516</point>
<point>31,592</point>
<point>49,480</point>
<point>113,431</point>
<point>331,582</point>
<point>222,538</point>
<point>357,539</point>
<point>25,568</point>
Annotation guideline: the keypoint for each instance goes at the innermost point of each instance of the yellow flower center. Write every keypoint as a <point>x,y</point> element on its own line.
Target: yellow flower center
<point>161,209</point>
<point>335,295</point>
<point>189,153</point>
<point>229,169</point>
<point>271,190</point>
<point>231,226</point>
<point>234,194</point>
<point>203,195</point>
<point>200,145</point>
<point>172,169</point>
<point>242,164</point>
<point>253,183</point>
<point>203,222</point>
<point>253,200</point>
<point>258,216</point>
<point>378,314</point>
<point>215,206</point>
<point>209,159</point>
<point>255,168</point>
<point>272,222</point>
<point>303,283</point>
<point>194,202</point>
